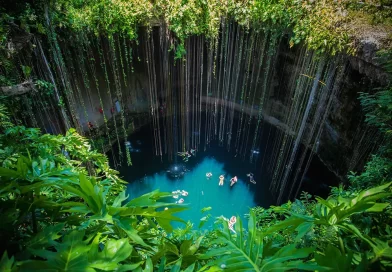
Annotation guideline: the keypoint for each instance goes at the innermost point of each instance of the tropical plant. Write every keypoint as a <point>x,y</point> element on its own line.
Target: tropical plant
<point>246,251</point>
<point>378,109</point>
<point>60,200</point>
<point>333,224</point>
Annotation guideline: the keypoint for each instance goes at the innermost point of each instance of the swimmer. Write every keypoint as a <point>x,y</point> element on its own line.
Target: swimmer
<point>251,179</point>
<point>175,196</point>
<point>208,175</point>
<point>233,180</point>
<point>180,201</point>
<point>221,180</point>
<point>184,193</point>
<point>230,222</point>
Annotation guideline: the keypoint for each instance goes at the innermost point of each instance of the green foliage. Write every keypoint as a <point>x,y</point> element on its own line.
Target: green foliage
<point>378,109</point>
<point>44,87</point>
<point>26,71</point>
<point>5,121</point>
<point>104,16</point>
<point>322,25</point>
<point>341,262</point>
<point>334,227</point>
<point>247,251</point>
<point>6,264</point>
<point>61,202</point>
<point>63,208</point>
<point>384,57</point>
<point>379,11</point>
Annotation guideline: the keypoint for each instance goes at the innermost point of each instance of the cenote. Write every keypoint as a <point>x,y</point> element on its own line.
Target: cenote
<point>149,172</point>
<point>205,136</point>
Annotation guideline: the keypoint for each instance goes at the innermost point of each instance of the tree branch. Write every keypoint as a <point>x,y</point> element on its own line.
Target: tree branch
<point>18,89</point>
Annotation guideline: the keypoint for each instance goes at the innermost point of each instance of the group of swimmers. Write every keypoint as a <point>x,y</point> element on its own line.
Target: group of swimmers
<point>187,154</point>
<point>233,180</point>
<point>177,193</point>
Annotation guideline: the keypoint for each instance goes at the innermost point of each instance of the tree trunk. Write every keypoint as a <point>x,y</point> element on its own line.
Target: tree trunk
<point>18,89</point>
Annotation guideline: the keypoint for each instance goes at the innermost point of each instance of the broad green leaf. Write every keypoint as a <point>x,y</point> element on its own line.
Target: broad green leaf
<point>378,207</point>
<point>293,222</point>
<point>205,209</point>
<point>114,252</point>
<point>177,266</point>
<point>354,230</point>
<point>303,229</point>
<point>6,264</point>
<point>234,253</point>
<point>286,257</point>
<point>382,249</point>
<point>162,264</point>
<point>149,267</point>
<point>373,191</point>
<point>5,172</point>
<point>128,267</point>
<point>333,259</point>
<point>119,199</point>
<point>190,268</point>
<point>126,225</point>
<point>195,246</point>
<point>184,248</point>
<point>45,238</point>
<point>70,255</point>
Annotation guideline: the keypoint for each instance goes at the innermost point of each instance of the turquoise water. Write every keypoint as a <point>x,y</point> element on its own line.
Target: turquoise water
<point>203,192</point>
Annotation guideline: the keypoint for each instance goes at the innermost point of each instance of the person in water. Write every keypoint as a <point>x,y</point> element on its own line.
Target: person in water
<point>90,125</point>
<point>185,155</point>
<point>233,180</point>
<point>221,180</point>
<point>180,201</point>
<point>231,223</point>
<point>251,179</point>
<point>209,175</point>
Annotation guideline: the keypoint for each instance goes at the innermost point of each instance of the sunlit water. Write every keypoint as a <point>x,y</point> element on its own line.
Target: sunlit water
<point>203,192</point>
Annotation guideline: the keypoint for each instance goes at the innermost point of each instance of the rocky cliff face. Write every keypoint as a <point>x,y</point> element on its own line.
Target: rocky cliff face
<point>346,141</point>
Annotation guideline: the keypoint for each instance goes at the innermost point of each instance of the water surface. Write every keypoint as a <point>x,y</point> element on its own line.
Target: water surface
<point>203,192</point>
